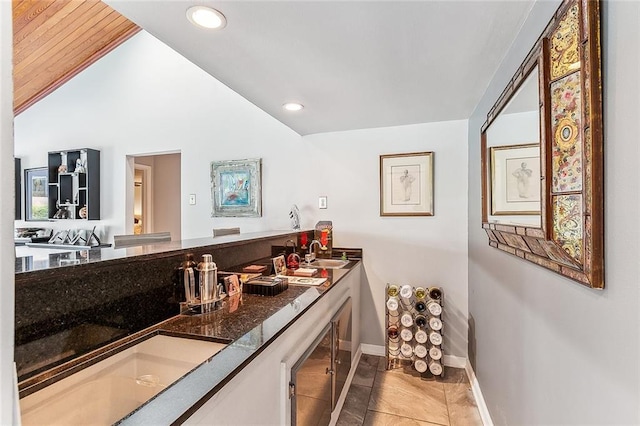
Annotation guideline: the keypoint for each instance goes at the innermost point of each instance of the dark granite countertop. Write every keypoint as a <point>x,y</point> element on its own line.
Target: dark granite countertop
<point>248,326</point>
<point>39,259</point>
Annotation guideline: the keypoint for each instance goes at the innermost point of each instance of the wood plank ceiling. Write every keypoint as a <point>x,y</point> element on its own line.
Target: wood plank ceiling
<point>53,40</point>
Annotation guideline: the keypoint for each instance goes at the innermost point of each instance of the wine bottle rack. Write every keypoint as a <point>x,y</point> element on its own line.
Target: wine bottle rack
<point>413,316</point>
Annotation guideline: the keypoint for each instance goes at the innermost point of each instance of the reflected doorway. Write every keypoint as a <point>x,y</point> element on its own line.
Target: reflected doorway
<point>154,192</point>
<point>142,199</point>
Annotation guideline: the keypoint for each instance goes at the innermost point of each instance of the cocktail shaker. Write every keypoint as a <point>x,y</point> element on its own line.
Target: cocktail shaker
<point>208,279</point>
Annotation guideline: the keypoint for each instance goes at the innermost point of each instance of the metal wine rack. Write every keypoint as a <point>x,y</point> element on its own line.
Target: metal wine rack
<point>413,317</point>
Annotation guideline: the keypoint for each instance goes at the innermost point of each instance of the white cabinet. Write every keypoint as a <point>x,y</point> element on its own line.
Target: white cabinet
<point>259,393</point>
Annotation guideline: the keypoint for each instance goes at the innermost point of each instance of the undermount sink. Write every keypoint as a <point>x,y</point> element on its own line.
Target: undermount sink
<point>107,391</point>
<point>326,264</point>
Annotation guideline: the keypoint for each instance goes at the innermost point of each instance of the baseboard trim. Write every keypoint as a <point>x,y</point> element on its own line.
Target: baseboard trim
<point>448,360</point>
<point>477,394</point>
<point>454,361</point>
<point>376,350</point>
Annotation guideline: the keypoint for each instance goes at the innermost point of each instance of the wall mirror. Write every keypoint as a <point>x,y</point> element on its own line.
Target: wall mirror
<point>542,152</point>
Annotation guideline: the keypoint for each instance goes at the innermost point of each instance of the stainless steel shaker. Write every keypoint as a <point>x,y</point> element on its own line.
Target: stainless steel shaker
<point>208,279</point>
<point>189,279</point>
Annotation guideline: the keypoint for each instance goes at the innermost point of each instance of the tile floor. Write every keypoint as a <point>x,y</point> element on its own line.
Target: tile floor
<point>401,397</point>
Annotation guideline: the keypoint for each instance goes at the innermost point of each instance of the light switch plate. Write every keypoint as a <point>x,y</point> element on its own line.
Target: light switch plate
<point>322,202</point>
<point>192,199</point>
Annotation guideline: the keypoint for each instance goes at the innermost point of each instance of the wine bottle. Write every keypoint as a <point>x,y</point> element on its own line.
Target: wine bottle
<point>406,334</point>
<point>421,336</point>
<point>435,338</point>
<point>406,350</point>
<point>435,352</point>
<point>435,368</point>
<point>435,323</point>
<point>420,292</point>
<point>421,321</point>
<point>392,304</point>
<point>406,291</point>
<point>420,351</point>
<point>406,319</point>
<point>420,306</point>
<point>392,290</point>
<point>420,365</point>
<point>434,308</point>
<point>394,348</point>
<point>435,293</point>
<point>392,332</point>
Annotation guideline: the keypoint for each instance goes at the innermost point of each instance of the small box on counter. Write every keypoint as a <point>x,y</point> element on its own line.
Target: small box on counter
<point>255,269</point>
<point>305,272</point>
<point>266,286</point>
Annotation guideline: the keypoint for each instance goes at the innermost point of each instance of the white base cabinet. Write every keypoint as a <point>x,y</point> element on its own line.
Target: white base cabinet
<point>259,394</point>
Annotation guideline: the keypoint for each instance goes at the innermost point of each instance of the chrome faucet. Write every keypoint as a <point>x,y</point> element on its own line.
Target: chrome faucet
<point>312,254</point>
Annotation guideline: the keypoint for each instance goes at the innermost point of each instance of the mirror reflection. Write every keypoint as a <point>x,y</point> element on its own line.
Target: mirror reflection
<point>513,142</point>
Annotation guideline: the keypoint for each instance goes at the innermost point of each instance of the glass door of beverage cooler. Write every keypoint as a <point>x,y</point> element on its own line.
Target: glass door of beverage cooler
<point>342,350</point>
<point>311,383</point>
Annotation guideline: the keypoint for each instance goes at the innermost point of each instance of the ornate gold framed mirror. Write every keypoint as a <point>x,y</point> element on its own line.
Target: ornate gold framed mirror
<point>542,152</point>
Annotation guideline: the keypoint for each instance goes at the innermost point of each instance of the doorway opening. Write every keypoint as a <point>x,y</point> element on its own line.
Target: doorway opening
<point>154,194</point>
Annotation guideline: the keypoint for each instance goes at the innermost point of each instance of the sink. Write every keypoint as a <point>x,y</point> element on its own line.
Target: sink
<point>326,264</point>
<point>107,391</point>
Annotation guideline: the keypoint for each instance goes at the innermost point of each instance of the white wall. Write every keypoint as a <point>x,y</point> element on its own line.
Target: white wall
<point>7,189</point>
<point>548,350</point>
<point>143,99</point>
<point>427,251</point>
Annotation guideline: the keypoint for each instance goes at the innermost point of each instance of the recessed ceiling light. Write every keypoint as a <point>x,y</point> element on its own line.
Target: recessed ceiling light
<point>292,106</point>
<point>206,17</point>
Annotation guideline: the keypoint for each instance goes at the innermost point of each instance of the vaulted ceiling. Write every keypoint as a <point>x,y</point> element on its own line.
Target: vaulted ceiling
<point>56,39</point>
<point>353,64</point>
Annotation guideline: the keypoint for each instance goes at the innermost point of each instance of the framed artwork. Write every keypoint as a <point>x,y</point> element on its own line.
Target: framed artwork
<point>515,179</point>
<point>279,265</point>
<point>36,198</point>
<point>236,188</point>
<point>406,184</point>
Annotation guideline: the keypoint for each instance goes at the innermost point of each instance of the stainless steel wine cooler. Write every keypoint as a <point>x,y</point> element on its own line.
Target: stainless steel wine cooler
<point>319,376</point>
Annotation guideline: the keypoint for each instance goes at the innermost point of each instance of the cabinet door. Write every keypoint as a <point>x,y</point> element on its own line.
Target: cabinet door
<point>342,347</point>
<point>311,380</point>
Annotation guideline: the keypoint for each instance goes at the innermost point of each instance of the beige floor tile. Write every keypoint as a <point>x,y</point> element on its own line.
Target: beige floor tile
<point>454,376</point>
<point>366,370</point>
<point>405,393</point>
<point>463,410</point>
<point>355,406</point>
<point>312,411</point>
<point>382,363</point>
<point>375,418</point>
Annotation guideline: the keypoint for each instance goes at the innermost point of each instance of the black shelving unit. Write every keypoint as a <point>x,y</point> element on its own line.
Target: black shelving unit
<point>71,188</point>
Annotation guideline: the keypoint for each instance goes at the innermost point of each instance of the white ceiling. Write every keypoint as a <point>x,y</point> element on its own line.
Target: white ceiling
<point>353,64</point>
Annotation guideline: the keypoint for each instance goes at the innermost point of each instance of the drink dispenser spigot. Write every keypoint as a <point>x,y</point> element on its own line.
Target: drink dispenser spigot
<point>208,272</point>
